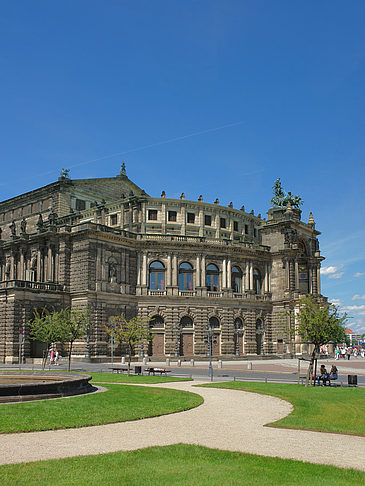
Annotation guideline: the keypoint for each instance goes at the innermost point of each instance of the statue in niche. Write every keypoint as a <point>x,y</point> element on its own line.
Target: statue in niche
<point>52,217</point>
<point>13,228</point>
<point>112,272</point>
<point>40,222</point>
<point>23,226</point>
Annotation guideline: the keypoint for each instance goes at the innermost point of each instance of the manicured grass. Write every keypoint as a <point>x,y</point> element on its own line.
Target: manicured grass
<point>185,465</point>
<point>124,378</point>
<point>327,409</point>
<point>118,404</point>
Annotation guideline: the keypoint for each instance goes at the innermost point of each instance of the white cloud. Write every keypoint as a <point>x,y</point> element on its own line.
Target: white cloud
<point>336,275</point>
<point>336,301</point>
<point>355,308</point>
<point>358,297</point>
<point>329,270</point>
<point>359,274</point>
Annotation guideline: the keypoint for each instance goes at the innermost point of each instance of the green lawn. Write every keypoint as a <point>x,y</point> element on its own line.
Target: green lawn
<point>118,404</point>
<point>121,378</point>
<point>178,464</point>
<point>327,409</point>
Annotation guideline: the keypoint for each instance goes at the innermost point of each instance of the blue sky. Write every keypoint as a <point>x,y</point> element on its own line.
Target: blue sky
<point>218,98</point>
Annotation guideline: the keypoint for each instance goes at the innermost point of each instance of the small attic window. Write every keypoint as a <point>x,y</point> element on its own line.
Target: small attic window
<point>80,205</point>
<point>113,219</point>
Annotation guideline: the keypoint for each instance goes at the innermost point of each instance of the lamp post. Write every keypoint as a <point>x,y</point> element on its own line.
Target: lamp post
<point>210,339</point>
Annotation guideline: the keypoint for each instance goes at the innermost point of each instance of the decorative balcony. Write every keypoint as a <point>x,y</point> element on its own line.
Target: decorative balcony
<point>157,292</point>
<point>187,293</point>
<point>26,284</point>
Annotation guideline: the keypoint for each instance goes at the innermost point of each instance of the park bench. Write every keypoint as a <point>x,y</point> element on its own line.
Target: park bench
<point>118,369</point>
<point>154,370</point>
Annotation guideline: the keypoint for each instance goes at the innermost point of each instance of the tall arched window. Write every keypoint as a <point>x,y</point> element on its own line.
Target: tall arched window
<point>214,323</point>
<point>157,276</point>
<point>257,282</point>
<point>212,278</point>
<point>157,322</point>
<point>185,276</point>
<point>186,322</point>
<point>238,336</point>
<point>236,280</point>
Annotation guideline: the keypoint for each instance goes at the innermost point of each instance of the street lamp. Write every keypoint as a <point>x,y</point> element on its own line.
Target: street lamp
<point>210,339</point>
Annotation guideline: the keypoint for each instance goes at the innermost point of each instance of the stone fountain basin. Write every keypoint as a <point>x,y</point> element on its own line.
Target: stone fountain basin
<point>19,386</point>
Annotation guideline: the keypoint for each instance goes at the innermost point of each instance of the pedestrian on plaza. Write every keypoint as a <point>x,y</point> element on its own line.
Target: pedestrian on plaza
<point>52,357</point>
<point>323,376</point>
<point>57,358</point>
<point>337,352</point>
<point>348,353</point>
<point>343,352</point>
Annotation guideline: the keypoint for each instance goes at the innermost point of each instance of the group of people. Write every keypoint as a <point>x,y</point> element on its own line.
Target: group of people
<point>346,352</point>
<point>326,377</point>
<point>54,357</point>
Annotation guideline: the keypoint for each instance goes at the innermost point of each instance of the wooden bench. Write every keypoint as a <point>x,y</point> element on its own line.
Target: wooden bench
<point>118,369</point>
<point>154,370</point>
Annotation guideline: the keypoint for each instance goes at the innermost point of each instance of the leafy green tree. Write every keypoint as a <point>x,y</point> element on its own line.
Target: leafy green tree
<point>63,326</point>
<point>46,327</point>
<point>75,323</point>
<point>319,323</point>
<point>130,332</point>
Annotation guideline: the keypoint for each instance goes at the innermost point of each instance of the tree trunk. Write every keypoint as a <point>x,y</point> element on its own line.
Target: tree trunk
<point>129,359</point>
<point>45,356</point>
<point>69,356</point>
<point>310,367</point>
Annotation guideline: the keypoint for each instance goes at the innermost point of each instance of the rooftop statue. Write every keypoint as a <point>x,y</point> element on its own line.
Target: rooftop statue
<point>123,171</point>
<point>64,174</point>
<point>281,199</point>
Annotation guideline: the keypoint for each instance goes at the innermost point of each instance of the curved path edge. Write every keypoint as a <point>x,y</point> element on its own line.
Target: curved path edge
<point>226,420</point>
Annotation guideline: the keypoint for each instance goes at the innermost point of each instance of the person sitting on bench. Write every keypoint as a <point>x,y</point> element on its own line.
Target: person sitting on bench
<point>323,376</point>
<point>333,374</point>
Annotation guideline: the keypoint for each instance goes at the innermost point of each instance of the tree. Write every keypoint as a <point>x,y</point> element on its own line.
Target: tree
<point>130,332</point>
<point>47,328</point>
<point>319,323</point>
<point>64,326</point>
<point>75,324</point>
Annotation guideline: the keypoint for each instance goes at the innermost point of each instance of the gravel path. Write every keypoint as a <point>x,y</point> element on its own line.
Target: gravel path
<point>228,419</point>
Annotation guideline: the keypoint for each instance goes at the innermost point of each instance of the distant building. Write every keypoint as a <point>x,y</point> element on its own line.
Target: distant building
<point>106,245</point>
<point>354,337</point>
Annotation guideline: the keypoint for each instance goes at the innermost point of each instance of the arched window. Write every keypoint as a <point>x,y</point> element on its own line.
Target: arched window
<point>157,322</point>
<point>257,282</point>
<point>186,322</point>
<point>236,280</point>
<point>214,323</point>
<point>259,336</point>
<point>259,326</point>
<point>238,324</point>
<point>157,276</point>
<point>212,278</point>
<point>185,276</point>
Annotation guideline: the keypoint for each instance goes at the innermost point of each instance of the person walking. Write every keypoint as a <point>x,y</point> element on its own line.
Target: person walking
<point>52,357</point>
<point>57,358</point>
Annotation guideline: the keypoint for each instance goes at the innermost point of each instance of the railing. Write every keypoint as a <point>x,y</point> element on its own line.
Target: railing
<point>215,294</point>
<point>157,292</point>
<point>187,293</point>
<point>25,284</point>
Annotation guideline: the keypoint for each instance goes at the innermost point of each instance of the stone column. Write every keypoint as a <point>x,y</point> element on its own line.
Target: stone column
<point>168,271</point>
<point>138,269</point>
<point>266,279</point>
<point>174,271</point>
<point>229,273</point>
<point>21,269</point>
<point>251,276</point>
<point>318,279</point>
<point>202,281</point>
<point>291,275</point>
<point>144,269</point>
<point>197,272</point>
<point>224,274</point>
<point>296,275</point>
<point>247,276</point>
<point>49,264</point>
